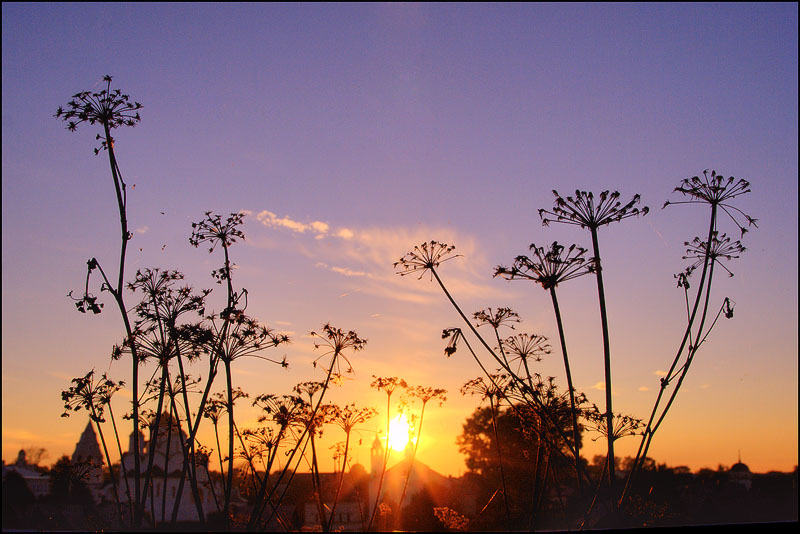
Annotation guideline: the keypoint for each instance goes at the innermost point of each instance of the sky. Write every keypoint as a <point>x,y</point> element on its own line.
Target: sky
<point>348,134</point>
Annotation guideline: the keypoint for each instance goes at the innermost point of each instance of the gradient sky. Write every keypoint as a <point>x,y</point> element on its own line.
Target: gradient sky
<point>350,133</point>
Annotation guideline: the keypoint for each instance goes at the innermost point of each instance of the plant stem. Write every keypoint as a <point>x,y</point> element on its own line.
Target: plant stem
<point>500,461</point>
<point>647,435</point>
<point>385,461</point>
<point>341,481</point>
<point>607,365</point>
<point>410,467</point>
<point>574,412</point>
<point>121,461</point>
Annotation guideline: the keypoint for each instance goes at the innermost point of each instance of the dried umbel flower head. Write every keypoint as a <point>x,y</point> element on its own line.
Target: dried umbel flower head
<point>548,267</point>
<point>716,190</point>
<point>388,384</point>
<point>485,389</point>
<point>110,108</point>
<point>721,248</point>
<point>348,417</point>
<point>424,257</point>
<point>624,425</point>
<point>334,341</point>
<point>496,319</point>
<point>526,347</point>
<point>282,410</point>
<point>426,393</point>
<point>212,230</point>
<point>450,519</point>
<point>245,336</point>
<point>90,395</point>
<point>587,212</point>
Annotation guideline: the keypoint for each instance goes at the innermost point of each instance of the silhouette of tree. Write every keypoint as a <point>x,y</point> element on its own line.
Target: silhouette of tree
<point>524,455</point>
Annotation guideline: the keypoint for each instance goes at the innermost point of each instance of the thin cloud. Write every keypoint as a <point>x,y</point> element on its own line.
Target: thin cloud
<point>369,253</point>
<point>348,272</point>
<point>270,220</point>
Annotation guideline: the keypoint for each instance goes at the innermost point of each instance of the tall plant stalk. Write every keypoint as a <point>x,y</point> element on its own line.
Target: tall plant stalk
<point>388,385</point>
<point>490,391</point>
<point>111,109</point>
<point>715,191</point>
<point>549,268</point>
<point>426,258</point>
<point>581,210</point>
<point>335,342</point>
<point>424,394</point>
<point>347,418</point>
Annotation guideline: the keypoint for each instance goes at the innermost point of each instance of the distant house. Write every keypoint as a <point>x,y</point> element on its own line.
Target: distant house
<point>37,483</point>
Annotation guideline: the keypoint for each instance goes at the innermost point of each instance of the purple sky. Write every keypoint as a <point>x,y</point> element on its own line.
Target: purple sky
<point>388,125</point>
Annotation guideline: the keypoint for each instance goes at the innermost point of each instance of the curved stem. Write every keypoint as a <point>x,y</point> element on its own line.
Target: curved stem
<point>153,442</point>
<point>647,435</point>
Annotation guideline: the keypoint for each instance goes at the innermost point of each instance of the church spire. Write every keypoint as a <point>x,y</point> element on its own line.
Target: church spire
<point>87,448</point>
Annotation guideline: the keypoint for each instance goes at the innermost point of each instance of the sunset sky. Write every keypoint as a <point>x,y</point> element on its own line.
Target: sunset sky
<point>349,134</point>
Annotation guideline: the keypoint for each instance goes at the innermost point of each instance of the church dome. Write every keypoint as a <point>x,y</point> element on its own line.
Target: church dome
<point>739,467</point>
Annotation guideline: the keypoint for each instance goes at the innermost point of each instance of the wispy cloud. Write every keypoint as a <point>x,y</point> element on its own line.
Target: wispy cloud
<point>368,254</point>
<point>270,220</point>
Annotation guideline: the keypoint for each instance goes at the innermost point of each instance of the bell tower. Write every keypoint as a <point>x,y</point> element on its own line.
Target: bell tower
<point>376,457</point>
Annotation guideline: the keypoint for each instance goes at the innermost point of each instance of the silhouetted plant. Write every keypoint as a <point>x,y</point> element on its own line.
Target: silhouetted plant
<point>424,394</point>
<point>716,192</point>
<point>582,210</point>
<point>238,335</point>
<point>427,257</point>
<point>347,419</point>
<point>110,109</point>
<point>94,397</point>
<point>161,336</point>
<point>388,385</point>
<point>284,411</point>
<point>334,342</point>
<point>549,268</point>
<point>489,391</point>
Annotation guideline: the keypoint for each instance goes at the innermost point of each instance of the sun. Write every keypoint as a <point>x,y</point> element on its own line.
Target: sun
<point>399,432</point>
